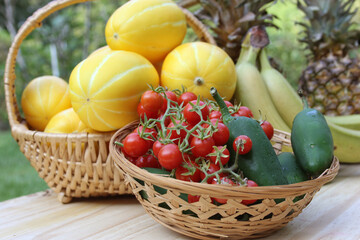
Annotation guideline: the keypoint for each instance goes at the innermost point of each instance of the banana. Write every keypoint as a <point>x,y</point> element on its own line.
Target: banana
<point>346,142</point>
<point>347,121</point>
<point>251,90</point>
<point>287,102</point>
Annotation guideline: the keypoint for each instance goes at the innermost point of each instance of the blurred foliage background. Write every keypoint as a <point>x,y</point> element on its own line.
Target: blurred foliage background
<point>70,35</point>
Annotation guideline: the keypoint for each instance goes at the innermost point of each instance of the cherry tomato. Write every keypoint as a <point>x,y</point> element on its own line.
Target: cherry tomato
<point>170,95</point>
<point>193,198</point>
<point>167,121</point>
<point>151,101</point>
<point>193,117</point>
<point>188,157</point>
<point>228,104</point>
<point>223,180</point>
<point>147,160</point>
<point>170,156</point>
<point>245,112</point>
<point>250,183</point>
<point>156,147</point>
<point>185,174</point>
<point>221,136</point>
<point>127,156</point>
<point>215,115</point>
<point>201,147</point>
<point>176,137</point>
<point>212,168</point>
<point>268,129</point>
<point>245,144</point>
<point>152,131</point>
<point>142,112</point>
<point>224,160</point>
<point>135,146</point>
<point>186,97</point>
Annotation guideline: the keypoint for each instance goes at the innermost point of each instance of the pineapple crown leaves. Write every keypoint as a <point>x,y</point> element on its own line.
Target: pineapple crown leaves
<point>328,27</point>
<point>229,20</point>
<point>234,15</point>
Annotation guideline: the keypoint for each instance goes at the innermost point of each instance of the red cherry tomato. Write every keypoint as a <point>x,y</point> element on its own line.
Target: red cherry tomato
<point>142,112</point>
<point>193,198</point>
<point>152,131</point>
<point>147,160</point>
<point>186,97</point>
<point>224,160</point>
<point>245,112</point>
<point>135,146</point>
<point>212,168</point>
<point>223,180</point>
<point>228,104</point>
<point>215,115</point>
<point>268,129</point>
<point>245,144</point>
<point>167,121</point>
<point>193,117</point>
<point>185,174</point>
<point>171,96</point>
<point>170,156</point>
<point>151,101</point>
<point>201,147</point>
<point>127,156</point>
<point>156,147</point>
<point>250,183</point>
<point>176,137</point>
<point>221,136</point>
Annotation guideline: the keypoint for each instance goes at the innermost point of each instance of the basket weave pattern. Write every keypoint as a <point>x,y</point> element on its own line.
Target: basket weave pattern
<point>73,165</point>
<point>205,220</point>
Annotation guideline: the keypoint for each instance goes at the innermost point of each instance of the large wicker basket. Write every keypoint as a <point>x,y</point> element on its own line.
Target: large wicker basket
<point>73,165</point>
<point>207,220</point>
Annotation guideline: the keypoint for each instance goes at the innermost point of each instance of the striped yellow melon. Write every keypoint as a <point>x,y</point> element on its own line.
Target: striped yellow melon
<point>101,49</point>
<point>42,98</point>
<point>106,87</point>
<point>198,66</point>
<point>67,121</point>
<point>151,28</point>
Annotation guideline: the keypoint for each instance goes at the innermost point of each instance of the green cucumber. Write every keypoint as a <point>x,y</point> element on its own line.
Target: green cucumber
<point>261,163</point>
<point>291,168</point>
<point>312,141</point>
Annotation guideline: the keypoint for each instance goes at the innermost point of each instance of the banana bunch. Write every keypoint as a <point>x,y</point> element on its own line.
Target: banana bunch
<point>269,95</point>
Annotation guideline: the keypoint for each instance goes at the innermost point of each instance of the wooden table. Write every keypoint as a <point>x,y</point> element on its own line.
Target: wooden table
<point>334,213</point>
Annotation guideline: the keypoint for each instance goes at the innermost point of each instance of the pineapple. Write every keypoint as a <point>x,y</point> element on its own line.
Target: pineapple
<point>230,20</point>
<point>331,81</point>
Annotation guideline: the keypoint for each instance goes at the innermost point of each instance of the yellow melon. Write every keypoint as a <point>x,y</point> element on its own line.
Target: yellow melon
<point>151,28</point>
<point>105,88</point>
<point>67,121</point>
<point>42,98</point>
<point>198,66</point>
<point>101,49</point>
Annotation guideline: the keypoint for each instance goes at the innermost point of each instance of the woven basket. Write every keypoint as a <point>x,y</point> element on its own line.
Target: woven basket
<point>209,221</point>
<point>73,165</point>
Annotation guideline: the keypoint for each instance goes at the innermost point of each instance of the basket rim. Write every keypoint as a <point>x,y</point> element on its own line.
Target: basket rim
<point>216,190</point>
<point>22,129</point>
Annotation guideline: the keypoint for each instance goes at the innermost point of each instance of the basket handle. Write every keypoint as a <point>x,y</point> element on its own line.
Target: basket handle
<point>35,21</point>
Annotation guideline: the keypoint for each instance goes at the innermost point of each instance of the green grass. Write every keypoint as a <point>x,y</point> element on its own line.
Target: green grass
<point>17,176</point>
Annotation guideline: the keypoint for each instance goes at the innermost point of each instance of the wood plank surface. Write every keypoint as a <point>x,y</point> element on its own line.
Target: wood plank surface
<point>334,213</point>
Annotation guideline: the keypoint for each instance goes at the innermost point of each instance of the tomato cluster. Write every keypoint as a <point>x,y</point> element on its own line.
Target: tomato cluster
<point>183,134</point>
